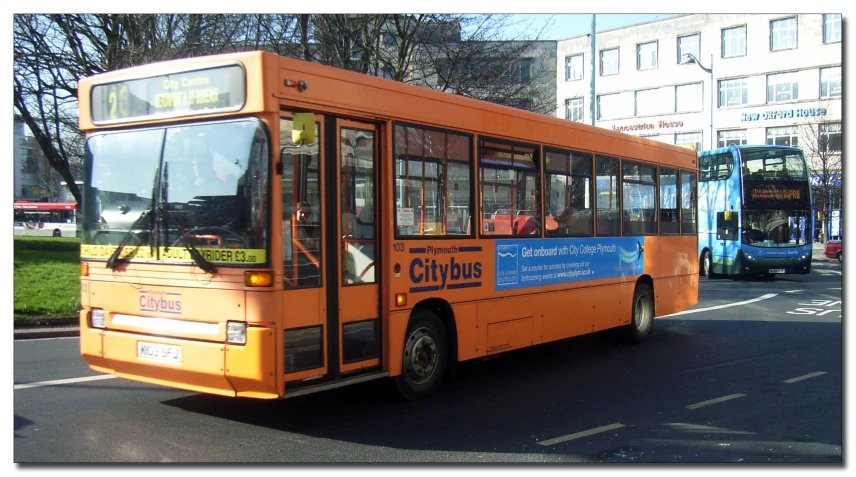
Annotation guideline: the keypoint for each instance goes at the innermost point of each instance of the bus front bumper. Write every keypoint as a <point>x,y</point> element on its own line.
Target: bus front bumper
<point>247,370</point>
<point>750,266</point>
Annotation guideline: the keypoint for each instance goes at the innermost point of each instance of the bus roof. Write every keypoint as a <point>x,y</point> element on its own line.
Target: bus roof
<point>747,147</point>
<point>325,89</point>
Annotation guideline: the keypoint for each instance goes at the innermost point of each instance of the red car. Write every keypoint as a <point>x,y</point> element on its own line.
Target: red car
<point>833,249</point>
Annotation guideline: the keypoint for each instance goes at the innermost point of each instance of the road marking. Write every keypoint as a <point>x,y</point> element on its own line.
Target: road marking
<point>596,430</point>
<point>794,291</point>
<point>719,307</point>
<point>63,381</point>
<point>715,401</point>
<point>834,288</point>
<point>805,376</point>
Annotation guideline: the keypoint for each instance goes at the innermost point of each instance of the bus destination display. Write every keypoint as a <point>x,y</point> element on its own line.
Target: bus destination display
<point>767,194</point>
<point>208,91</point>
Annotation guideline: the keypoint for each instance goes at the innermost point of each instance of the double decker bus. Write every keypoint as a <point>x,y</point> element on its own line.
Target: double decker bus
<point>45,219</point>
<point>278,227</point>
<point>754,211</point>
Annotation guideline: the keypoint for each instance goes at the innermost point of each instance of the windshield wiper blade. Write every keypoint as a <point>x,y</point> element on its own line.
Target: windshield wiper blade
<point>197,257</point>
<point>111,262</point>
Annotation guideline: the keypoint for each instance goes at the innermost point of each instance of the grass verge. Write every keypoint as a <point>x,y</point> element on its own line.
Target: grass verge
<point>46,279</point>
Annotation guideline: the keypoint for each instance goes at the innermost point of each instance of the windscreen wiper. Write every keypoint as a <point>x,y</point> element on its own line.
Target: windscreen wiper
<point>111,262</point>
<point>197,257</point>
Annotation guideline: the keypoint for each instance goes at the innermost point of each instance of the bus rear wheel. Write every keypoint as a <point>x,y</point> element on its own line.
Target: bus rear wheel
<point>641,319</point>
<point>706,265</point>
<point>57,233</point>
<point>642,315</point>
<point>425,356</point>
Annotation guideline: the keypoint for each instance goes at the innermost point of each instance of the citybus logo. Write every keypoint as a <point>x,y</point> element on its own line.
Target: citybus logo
<point>444,272</point>
<point>160,302</point>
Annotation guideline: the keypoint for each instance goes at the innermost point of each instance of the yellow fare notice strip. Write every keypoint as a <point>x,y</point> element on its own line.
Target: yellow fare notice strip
<point>219,255</point>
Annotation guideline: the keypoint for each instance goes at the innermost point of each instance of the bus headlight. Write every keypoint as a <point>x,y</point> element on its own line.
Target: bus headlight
<point>749,257</point>
<point>97,319</point>
<point>236,332</point>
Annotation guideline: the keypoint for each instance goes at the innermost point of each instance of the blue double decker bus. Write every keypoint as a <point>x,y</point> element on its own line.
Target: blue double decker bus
<point>754,211</point>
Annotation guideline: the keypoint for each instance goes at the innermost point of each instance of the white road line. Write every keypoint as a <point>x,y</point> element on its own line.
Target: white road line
<point>794,291</point>
<point>63,381</point>
<point>714,401</point>
<point>805,376</point>
<point>719,307</point>
<point>596,430</point>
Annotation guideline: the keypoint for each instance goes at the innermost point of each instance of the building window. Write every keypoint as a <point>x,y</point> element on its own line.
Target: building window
<point>646,56</point>
<point>688,97</point>
<point>688,45</point>
<point>609,62</point>
<point>611,106</point>
<point>829,139</point>
<point>830,82</point>
<point>574,110</point>
<point>783,34</point>
<point>782,136</point>
<point>832,28</point>
<point>727,138</point>
<point>653,101</point>
<point>521,71</point>
<point>733,92</point>
<point>734,41</point>
<point>689,139</point>
<point>782,87</point>
<point>574,67</point>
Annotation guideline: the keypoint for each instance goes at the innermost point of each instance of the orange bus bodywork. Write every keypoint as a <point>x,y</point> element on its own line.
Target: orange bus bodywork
<point>479,321</point>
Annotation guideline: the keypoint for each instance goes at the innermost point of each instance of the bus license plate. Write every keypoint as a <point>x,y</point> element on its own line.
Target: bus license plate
<point>159,352</point>
<point>777,270</point>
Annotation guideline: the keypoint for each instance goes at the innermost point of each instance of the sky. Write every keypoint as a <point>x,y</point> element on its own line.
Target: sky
<point>566,25</point>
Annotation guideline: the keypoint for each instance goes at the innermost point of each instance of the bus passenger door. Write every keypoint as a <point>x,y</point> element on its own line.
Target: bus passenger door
<point>353,271</point>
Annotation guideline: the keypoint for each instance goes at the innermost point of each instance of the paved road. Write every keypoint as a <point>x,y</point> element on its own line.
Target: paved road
<point>753,373</point>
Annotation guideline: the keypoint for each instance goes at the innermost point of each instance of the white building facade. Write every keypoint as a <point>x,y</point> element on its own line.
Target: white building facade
<point>764,79</point>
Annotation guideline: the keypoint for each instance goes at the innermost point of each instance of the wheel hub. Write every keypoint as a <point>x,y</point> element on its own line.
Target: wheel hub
<point>423,356</point>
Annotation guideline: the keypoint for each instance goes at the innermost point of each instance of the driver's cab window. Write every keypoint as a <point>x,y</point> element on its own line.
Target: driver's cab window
<point>301,209</point>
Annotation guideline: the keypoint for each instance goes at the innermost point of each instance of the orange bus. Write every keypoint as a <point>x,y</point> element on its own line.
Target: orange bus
<point>259,226</point>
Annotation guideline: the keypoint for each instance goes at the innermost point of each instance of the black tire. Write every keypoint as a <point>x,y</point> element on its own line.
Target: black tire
<point>57,233</point>
<point>706,265</point>
<point>838,256</point>
<point>641,319</point>
<point>425,356</point>
<point>641,315</point>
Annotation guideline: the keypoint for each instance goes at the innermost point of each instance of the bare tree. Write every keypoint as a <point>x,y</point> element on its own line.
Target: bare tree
<point>52,52</point>
<point>821,143</point>
<point>470,55</point>
<point>475,56</point>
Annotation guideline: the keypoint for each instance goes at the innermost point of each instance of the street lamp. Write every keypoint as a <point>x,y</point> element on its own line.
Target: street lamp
<point>692,59</point>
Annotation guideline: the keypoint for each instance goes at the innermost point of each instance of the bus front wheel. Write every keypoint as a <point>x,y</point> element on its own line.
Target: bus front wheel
<point>425,356</point>
<point>57,233</point>
<point>706,265</point>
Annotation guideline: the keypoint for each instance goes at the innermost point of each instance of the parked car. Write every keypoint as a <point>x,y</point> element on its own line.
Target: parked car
<point>833,249</point>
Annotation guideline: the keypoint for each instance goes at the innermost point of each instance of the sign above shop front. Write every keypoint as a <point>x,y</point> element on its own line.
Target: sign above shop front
<point>648,126</point>
<point>783,114</point>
